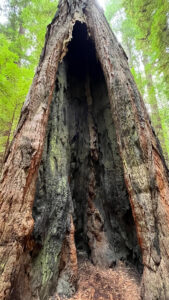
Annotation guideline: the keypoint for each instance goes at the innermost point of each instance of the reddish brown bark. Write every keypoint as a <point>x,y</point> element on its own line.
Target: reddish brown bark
<point>9,133</point>
<point>144,167</point>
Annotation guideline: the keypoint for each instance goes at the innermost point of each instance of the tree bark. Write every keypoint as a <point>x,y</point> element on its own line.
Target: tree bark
<point>140,155</point>
<point>155,115</point>
<point>9,133</point>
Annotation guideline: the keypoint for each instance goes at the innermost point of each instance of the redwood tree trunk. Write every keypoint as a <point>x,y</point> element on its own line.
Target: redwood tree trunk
<point>9,133</point>
<point>155,115</point>
<point>94,146</point>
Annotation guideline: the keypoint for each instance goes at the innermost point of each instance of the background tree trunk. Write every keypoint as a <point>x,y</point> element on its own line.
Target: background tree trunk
<point>138,154</point>
<point>155,115</point>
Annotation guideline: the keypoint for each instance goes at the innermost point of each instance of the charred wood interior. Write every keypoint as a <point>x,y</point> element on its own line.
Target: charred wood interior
<point>84,150</point>
<point>81,205</point>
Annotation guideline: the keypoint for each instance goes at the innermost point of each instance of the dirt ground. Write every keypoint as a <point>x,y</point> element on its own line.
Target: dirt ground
<point>95,283</point>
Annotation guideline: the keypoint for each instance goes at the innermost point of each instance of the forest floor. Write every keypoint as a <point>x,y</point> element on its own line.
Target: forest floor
<point>96,283</point>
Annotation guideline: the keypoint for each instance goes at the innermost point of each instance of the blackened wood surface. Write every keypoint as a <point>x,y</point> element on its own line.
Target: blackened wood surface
<point>144,168</point>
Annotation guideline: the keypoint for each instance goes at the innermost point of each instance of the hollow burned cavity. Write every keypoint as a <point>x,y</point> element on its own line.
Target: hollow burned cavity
<point>81,204</point>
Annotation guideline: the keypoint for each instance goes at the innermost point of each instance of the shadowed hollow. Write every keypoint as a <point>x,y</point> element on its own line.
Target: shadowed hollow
<point>81,172</point>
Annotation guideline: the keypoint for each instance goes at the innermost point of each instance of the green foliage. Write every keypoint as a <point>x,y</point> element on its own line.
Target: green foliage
<point>21,41</point>
<point>151,18</point>
<point>14,84</point>
<point>36,18</point>
<point>144,30</point>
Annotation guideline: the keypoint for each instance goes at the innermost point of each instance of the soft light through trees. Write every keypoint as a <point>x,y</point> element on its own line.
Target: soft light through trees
<point>102,3</point>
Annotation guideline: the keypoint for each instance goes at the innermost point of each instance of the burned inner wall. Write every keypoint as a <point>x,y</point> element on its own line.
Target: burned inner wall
<point>81,174</point>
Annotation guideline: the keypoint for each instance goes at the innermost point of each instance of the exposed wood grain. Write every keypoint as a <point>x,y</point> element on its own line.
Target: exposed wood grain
<point>146,175</point>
